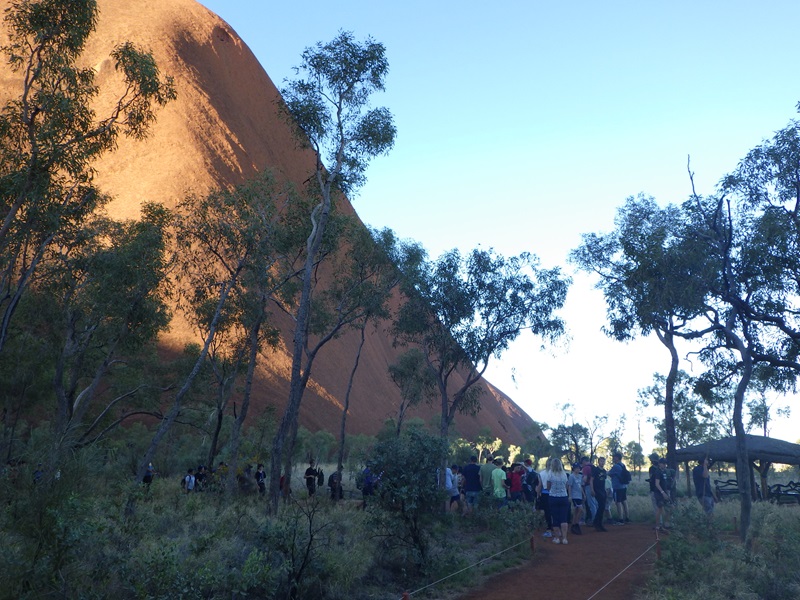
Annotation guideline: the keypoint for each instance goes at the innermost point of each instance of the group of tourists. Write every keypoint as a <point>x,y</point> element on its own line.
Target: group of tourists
<point>568,497</point>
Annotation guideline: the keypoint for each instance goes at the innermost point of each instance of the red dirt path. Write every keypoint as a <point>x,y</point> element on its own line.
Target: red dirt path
<point>579,571</point>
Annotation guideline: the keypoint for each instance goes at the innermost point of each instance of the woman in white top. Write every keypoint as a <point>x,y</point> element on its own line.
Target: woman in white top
<point>558,485</point>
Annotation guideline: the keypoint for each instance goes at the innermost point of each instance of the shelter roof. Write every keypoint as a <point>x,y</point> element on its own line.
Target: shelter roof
<point>758,447</point>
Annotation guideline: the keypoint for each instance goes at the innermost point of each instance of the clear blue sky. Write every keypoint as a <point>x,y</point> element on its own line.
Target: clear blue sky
<point>522,125</point>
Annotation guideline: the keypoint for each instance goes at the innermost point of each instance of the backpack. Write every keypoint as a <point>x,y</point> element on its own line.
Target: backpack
<point>532,480</point>
<point>625,475</point>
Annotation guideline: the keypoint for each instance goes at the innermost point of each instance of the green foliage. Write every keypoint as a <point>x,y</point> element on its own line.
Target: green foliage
<point>463,311</point>
<point>696,420</point>
<point>408,494</point>
<point>50,135</point>
<point>330,106</point>
<point>700,561</point>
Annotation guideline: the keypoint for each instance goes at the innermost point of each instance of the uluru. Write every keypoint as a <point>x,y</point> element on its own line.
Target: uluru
<point>223,129</point>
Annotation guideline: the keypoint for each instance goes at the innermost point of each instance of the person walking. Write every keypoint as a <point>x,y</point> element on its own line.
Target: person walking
<point>311,478</point>
<point>544,499</point>
<point>472,485</point>
<point>702,486</point>
<point>591,504</point>
<point>261,480</point>
<point>658,492</point>
<point>619,476</point>
<point>576,496</point>
<point>188,481</point>
<point>499,486</point>
<point>558,488</point>
<point>599,476</point>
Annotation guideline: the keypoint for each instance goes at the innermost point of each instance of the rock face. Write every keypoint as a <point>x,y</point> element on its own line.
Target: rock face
<point>223,129</point>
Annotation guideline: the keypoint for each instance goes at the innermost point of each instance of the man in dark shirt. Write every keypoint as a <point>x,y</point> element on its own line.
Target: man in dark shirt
<point>599,476</point>
<point>311,478</point>
<point>472,484</point>
<point>702,486</point>
<point>658,491</point>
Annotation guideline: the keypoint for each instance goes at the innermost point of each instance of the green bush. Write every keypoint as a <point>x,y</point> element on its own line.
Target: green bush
<point>703,559</point>
<point>408,497</point>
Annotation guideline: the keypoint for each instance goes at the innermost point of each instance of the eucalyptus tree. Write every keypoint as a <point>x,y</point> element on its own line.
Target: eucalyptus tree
<point>224,240</point>
<point>375,261</point>
<point>329,106</point>
<point>463,311</point>
<point>360,278</point>
<point>411,375</point>
<point>749,237</point>
<point>572,441</point>
<point>633,453</point>
<point>50,134</point>
<point>111,295</point>
<point>648,276</point>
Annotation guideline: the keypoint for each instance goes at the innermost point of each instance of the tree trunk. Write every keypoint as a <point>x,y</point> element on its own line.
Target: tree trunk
<point>743,474</point>
<point>346,407</point>
<point>688,479</point>
<point>238,424</point>
<point>167,422</point>
<point>212,449</point>
<point>668,340</point>
<point>288,426</point>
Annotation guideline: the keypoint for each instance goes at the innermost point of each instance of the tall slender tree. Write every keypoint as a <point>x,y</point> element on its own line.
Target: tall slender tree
<point>330,108</point>
<point>648,278</point>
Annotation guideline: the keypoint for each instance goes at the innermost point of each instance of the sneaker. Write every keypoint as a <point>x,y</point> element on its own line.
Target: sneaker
<point>564,541</point>
<point>601,529</point>
<point>627,521</point>
<point>547,534</point>
<point>556,540</point>
<point>618,522</point>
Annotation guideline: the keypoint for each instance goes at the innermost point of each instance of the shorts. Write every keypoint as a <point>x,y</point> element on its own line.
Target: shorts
<point>559,509</point>
<point>658,500</point>
<point>472,498</point>
<point>456,498</point>
<point>621,495</point>
<point>543,502</point>
<point>577,502</point>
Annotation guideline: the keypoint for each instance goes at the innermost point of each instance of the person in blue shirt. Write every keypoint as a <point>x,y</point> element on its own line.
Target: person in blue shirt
<point>619,488</point>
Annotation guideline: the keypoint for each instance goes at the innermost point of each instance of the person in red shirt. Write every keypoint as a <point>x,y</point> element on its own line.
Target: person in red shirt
<point>517,472</point>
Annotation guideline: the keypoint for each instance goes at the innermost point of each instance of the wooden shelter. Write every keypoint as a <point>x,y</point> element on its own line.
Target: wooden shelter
<point>766,450</point>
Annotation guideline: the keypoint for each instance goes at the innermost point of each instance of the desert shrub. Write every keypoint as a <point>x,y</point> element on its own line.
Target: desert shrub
<point>316,549</point>
<point>701,560</point>
<point>408,498</point>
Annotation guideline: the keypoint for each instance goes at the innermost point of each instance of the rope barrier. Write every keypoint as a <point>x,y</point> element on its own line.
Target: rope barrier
<point>407,595</point>
<point>623,570</point>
